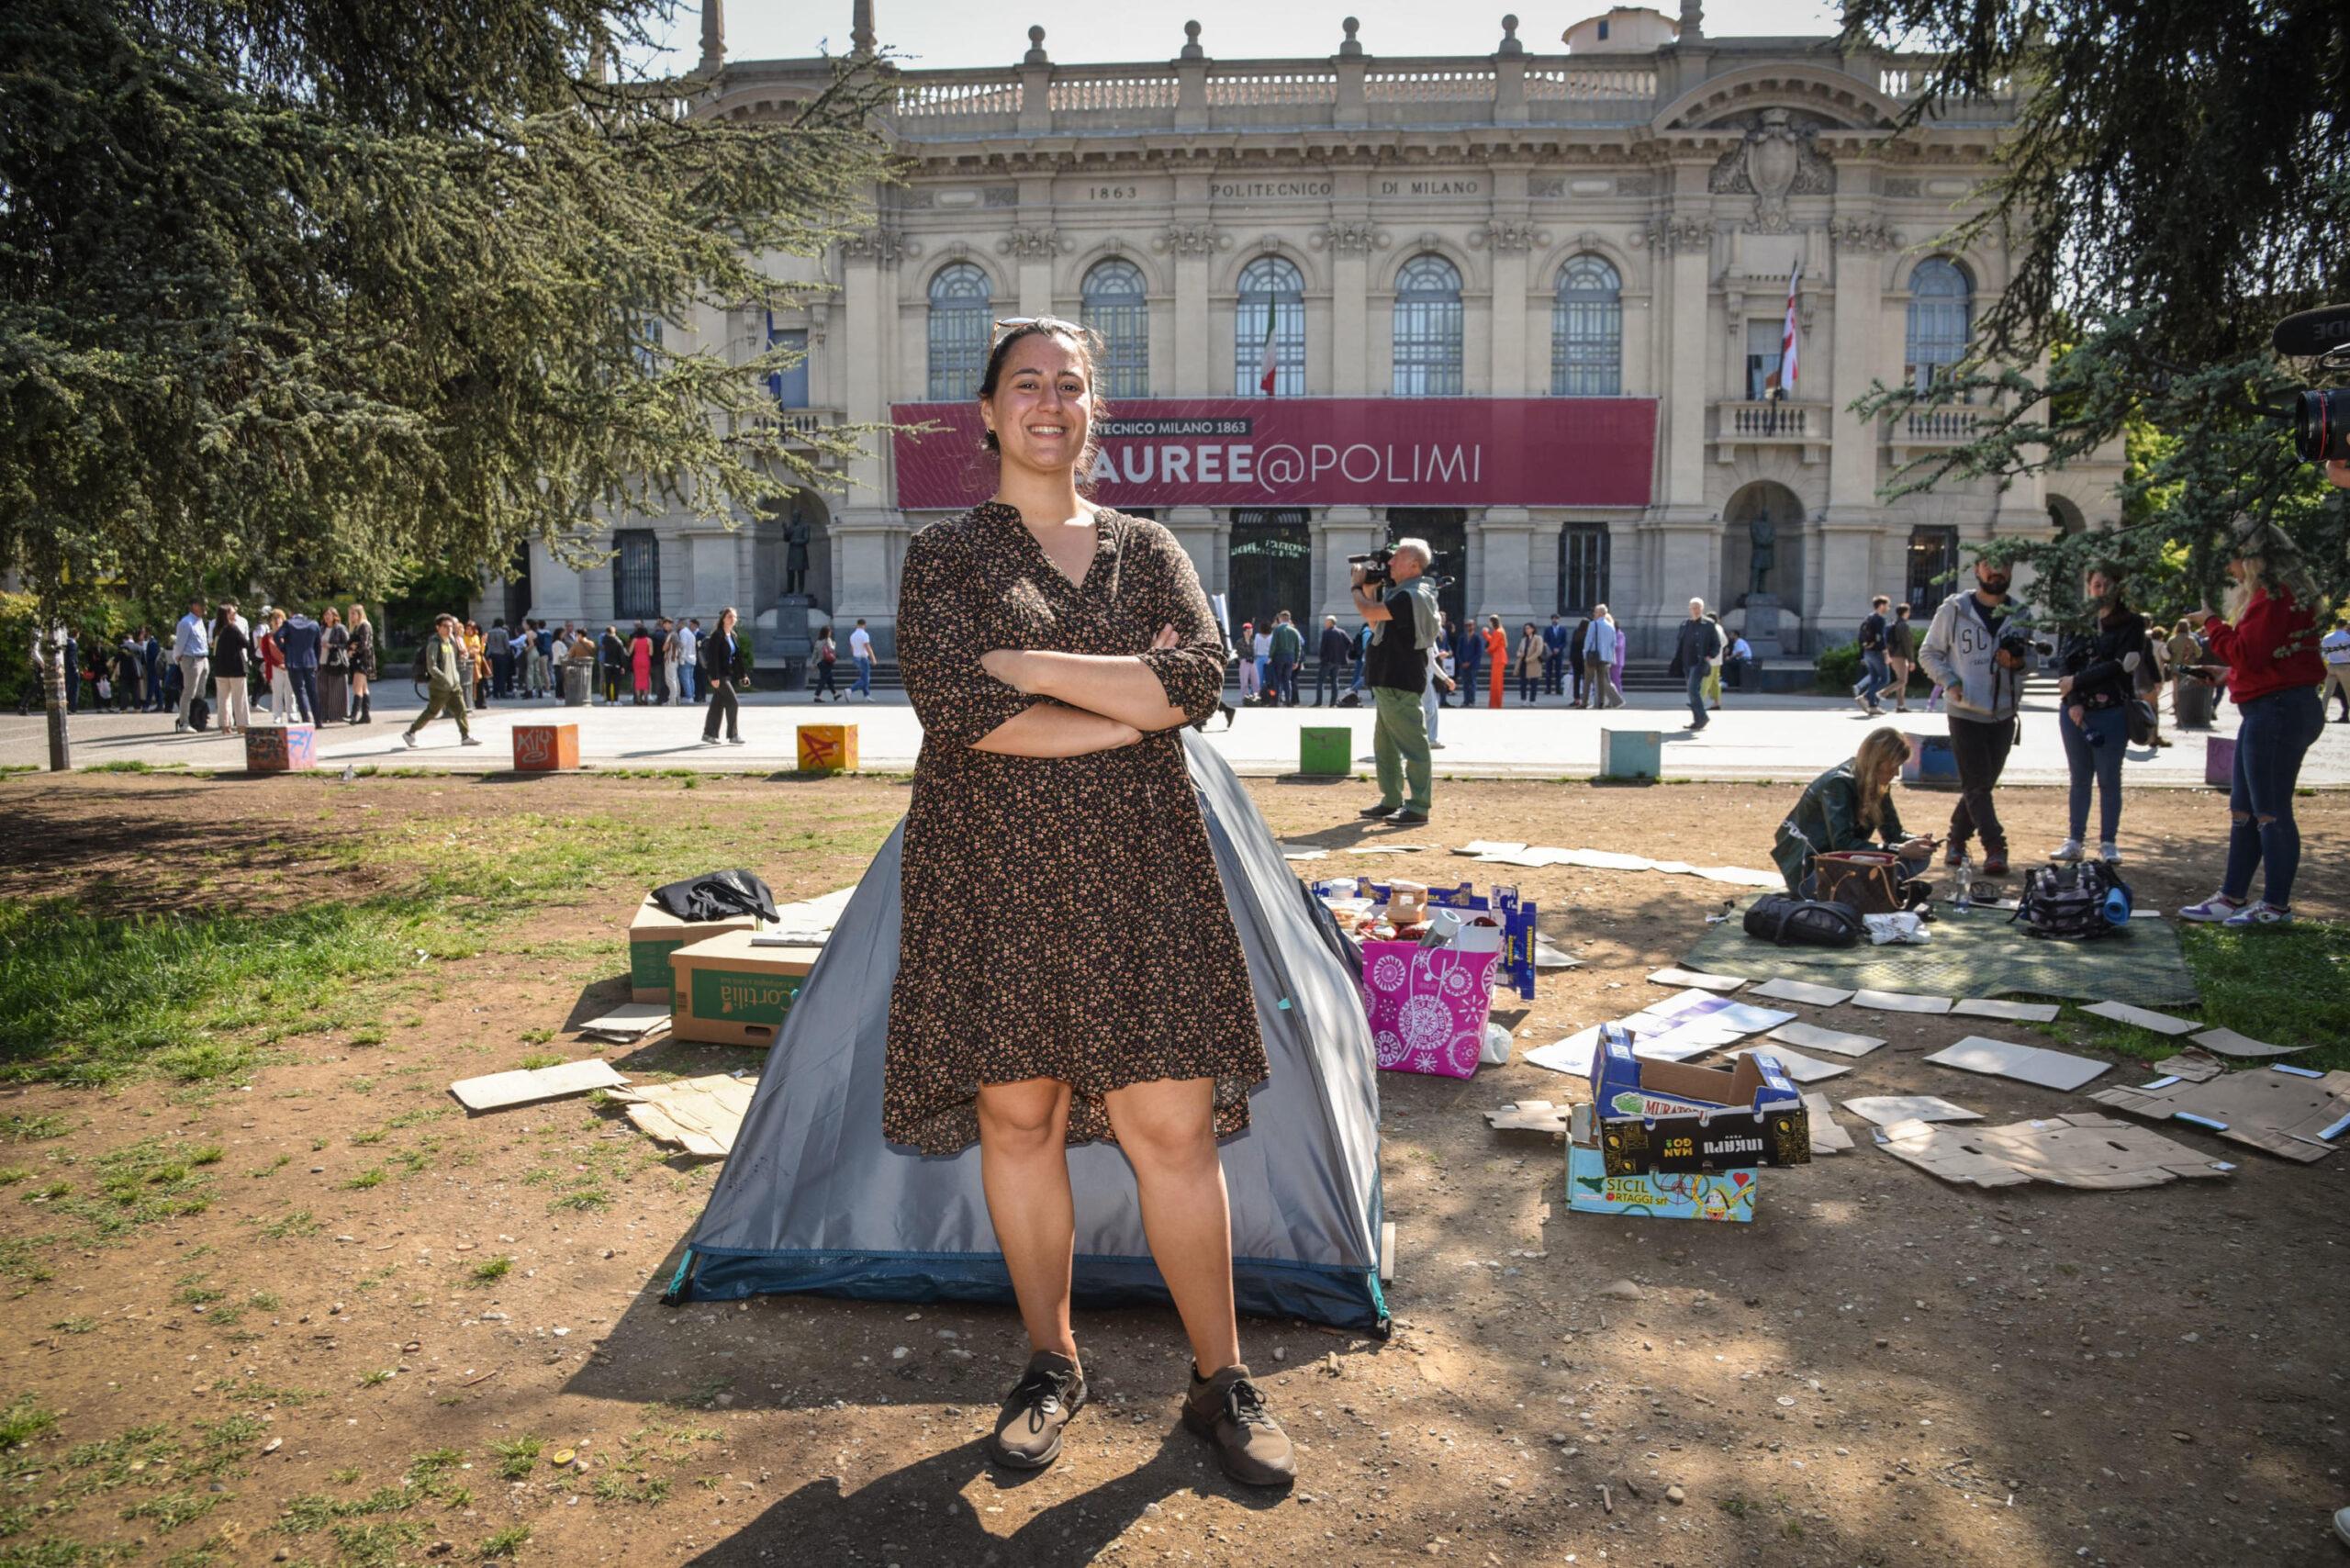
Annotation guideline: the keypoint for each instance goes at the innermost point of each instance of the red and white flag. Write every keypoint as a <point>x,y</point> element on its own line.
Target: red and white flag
<point>1268,362</point>
<point>1790,341</point>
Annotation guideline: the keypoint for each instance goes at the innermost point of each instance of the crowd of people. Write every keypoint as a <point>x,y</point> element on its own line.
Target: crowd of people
<point>290,667</point>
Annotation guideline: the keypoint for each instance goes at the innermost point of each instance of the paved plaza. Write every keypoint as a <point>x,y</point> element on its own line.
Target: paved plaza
<point>1778,737</point>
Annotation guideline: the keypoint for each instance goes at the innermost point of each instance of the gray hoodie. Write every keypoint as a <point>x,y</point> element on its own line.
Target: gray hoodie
<point>1957,652</point>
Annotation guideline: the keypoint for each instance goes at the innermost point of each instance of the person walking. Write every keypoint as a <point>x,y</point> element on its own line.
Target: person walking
<point>191,653</point>
<point>2335,648</point>
<point>2269,642</point>
<point>860,649</point>
<point>231,655</point>
<point>1404,621</point>
<point>1971,653</point>
<point>1871,642</point>
<point>1330,662</point>
<point>726,670</point>
<point>1497,660</point>
<point>1900,655</point>
<point>1554,657</point>
<point>363,664</point>
<point>1288,649</point>
<point>2096,678</point>
<point>1599,653</point>
<point>1052,650</point>
<point>688,656</point>
<point>1533,656</point>
<point>299,641</point>
<point>640,658</point>
<point>827,660</point>
<point>1693,647</point>
<point>445,682</point>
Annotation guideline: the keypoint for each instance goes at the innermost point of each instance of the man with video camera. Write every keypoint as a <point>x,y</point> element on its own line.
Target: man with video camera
<point>1977,649</point>
<point>1389,594</point>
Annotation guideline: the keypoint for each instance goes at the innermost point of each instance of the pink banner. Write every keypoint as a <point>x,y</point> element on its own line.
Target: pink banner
<point>1282,452</point>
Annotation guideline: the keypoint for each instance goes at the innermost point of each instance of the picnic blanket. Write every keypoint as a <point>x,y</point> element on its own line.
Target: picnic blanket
<point>1977,954</point>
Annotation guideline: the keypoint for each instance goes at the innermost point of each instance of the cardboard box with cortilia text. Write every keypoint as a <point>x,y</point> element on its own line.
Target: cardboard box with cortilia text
<point>729,991</point>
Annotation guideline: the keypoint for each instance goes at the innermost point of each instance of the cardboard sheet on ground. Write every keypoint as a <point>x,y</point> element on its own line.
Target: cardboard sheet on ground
<point>1981,954</point>
<point>700,1115</point>
<point>807,923</point>
<point>1696,978</point>
<point>1571,1056</point>
<point>1534,857</point>
<point>1674,1028</point>
<point>1801,1067</point>
<point>1548,954</point>
<point>1803,991</point>
<point>1838,1041</point>
<point>2012,1011</point>
<point>2080,1150</point>
<point>2288,1111</point>
<point>1900,1002</point>
<point>2026,1064</point>
<point>2228,1042</point>
<point>1827,1138</point>
<point>2193,1064</point>
<point>2144,1018</point>
<point>628,1022</point>
<point>1886,1109</point>
<point>1529,1117</point>
<point>502,1091</point>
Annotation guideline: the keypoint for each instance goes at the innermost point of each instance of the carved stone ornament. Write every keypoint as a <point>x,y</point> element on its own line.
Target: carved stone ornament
<point>883,247</point>
<point>1032,244</point>
<point>1863,234</point>
<point>1000,195</point>
<point>1775,161</point>
<point>1349,237</point>
<point>1669,236</point>
<point>1636,184</point>
<point>1509,237</point>
<point>1542,187</point>
<point>1902,188</point>
<point>1191,240</point>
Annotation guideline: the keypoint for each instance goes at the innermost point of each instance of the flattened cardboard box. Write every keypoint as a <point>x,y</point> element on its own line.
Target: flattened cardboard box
<point>2083,1149</point>
<point>655,933</point>
<point>2289,1112</point>
<point>731,992</point>
<point>1660,1116</point>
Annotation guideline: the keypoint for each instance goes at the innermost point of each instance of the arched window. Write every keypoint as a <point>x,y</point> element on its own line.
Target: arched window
<point>1587,331</point>
<point>1427,329</point>
<point>959,298</point>
<point>1941,319</point>
<point>1272,298</point>
<point>1115,307</point>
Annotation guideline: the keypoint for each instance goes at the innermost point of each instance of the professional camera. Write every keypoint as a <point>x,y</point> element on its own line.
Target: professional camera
<point>1374,565</point>
<point>2321,417</point>
<point>2020,646</point>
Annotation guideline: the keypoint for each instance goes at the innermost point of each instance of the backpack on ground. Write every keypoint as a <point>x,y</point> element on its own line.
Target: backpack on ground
<point>199,714</point>
<point>2077,902</point>
<point>1810,922</point>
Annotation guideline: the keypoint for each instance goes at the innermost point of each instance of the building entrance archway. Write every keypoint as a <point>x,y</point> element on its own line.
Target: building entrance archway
<point>1269,567</point>
<point>1762,548</point>
<point>793,545</point>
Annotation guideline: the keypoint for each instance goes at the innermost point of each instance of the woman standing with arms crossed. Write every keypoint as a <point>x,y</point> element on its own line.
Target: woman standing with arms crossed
<point>2269,642</point>
<point>1067,969</point>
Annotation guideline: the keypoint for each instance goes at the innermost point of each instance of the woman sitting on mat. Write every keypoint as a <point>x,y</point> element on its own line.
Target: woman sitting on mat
<point>1850,807</point>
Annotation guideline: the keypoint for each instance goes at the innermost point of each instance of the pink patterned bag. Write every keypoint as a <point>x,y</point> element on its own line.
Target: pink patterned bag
<point>1428,1006</point>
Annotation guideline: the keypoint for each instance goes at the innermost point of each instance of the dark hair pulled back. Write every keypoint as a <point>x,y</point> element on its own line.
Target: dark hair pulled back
<point>1087,344</point>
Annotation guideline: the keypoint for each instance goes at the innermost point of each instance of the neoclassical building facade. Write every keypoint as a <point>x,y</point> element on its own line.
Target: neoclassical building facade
<point>1529,306</point>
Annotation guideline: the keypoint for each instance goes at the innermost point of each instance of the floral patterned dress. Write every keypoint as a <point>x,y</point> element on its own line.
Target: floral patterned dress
<point>1062,917</point>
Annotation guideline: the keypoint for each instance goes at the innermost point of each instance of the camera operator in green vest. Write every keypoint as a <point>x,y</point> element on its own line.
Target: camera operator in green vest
<point>1392,594</point>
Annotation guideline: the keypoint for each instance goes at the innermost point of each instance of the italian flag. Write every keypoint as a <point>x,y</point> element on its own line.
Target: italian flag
<point>1268,366</point>
<point>1790,342</point>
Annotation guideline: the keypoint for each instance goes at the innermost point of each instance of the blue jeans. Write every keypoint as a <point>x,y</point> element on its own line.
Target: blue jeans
<point>2277,732</point>
<point>2093,750</point>
<point>305,682</point>
<point>686,673</point>
<point>864,677</point>
<point>1698,697</point>
<point>1284,684</point>
<point>1875,676</point>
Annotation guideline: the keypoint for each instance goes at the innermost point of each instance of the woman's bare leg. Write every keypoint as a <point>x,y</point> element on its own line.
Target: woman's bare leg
<point>1023,1167</point>
<point>1168,1130</point>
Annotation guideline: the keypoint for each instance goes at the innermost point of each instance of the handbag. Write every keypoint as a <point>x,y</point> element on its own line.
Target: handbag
<point>2141,715</point>
<point>1810,922</point>
<point>1867,880</point>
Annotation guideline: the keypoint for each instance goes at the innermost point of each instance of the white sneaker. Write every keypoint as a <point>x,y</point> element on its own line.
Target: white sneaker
<point>2218,907</point>
<point>407,737</point>
<point>709,740</point>
<point>2109,854</point>
<point>2068,850</point>
<point>735,740</point>
<point>470,739</point>
<point>2258,915</point>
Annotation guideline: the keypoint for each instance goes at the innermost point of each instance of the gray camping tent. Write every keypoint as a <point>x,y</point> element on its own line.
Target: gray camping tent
<point>813,1200</point>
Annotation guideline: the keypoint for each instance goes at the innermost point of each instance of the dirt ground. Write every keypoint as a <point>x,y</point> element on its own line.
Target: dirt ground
<point>1882,1370</point>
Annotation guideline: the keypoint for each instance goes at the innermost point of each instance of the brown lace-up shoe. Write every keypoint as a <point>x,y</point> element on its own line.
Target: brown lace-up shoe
<point>1229,1410</point>
<point>1028,1429</point>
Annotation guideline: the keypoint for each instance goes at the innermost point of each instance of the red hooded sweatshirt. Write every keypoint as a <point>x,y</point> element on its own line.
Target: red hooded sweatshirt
<point>2273,647</point>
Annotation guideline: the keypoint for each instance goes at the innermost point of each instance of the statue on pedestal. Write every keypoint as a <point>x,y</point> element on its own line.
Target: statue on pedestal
<point>1763,536</point>
<point>795,553</point>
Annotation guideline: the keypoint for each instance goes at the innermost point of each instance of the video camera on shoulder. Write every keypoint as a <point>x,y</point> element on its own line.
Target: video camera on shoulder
<point>1375,566</point>
<point>2320,416</point>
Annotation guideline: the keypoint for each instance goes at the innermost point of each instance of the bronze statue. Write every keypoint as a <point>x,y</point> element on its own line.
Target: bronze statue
<point>795,553</point>
<point>1763,536</point>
